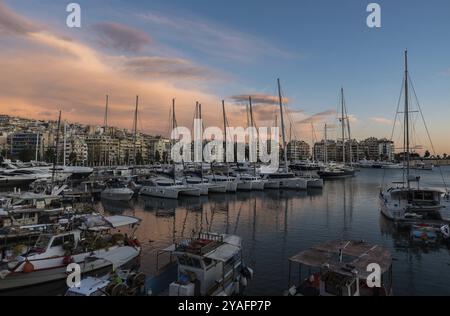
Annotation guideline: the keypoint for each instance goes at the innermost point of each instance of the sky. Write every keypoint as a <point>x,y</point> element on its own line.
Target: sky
<point>206,51</point>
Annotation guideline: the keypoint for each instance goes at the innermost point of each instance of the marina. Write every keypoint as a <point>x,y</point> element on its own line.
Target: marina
<point>275,224</point>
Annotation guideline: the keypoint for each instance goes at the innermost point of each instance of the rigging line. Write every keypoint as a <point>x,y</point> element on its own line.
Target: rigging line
<point>395,123</point>
<point>428,132</point>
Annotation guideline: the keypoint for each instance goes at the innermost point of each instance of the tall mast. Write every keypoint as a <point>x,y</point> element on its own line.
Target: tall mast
<point>105,124</point>
<point>224,127</point>
<point>135,128</point>
<point>64,143</point>
<point>282,126</point>
<point>343,125</point>
<point>312,142</point>
<point>171,142</point>
<point>56,156</point>
<point>252,125</point>
<point>105,129</point>
<point>199,106</point>
<point>406,137</point>
<point>326,145</point>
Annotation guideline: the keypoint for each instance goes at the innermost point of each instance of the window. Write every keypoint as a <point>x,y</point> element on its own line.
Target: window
<point>58,241</point>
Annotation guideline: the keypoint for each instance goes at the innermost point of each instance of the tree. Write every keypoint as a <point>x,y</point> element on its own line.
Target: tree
<point>26,155</point>
<point>427,154</point>
<point>157,156</point>
<point>139,159</point>
<point>49,155</point>
<point>73,158</point>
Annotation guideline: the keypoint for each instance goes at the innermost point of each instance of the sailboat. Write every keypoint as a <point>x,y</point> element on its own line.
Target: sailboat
<point>167,188</point>
<point>334,171</point>
<point>228,180</point>
<point>404,201</point>
<point>284,179</point>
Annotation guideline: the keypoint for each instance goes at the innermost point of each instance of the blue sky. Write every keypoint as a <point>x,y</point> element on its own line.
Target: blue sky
<point>313,46</point>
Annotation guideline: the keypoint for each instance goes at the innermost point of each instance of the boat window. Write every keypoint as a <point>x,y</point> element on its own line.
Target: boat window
<point>428,196</point>
<point>58,241</point>
<point>208,262</point>
<point>43,241</point>
<point>353,288</point>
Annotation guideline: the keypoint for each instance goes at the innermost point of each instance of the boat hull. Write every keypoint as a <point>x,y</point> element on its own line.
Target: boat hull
<point>42,275</point>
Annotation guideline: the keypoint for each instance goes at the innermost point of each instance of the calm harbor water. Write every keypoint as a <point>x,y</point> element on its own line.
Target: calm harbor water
<point>276,225</point>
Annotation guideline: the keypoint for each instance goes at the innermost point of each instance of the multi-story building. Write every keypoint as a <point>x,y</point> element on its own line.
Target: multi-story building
<point>378,149</point>
<point>102,150</point>
<point>26,145</point>
<point>158,149</point>
<point>298,150</point>
<point>326,152</point>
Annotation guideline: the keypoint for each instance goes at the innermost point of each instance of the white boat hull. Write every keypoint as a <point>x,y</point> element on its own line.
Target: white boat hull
<point>49,270</point>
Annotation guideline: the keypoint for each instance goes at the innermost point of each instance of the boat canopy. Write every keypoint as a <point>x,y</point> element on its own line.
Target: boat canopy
<point>117,257</point>
<point>120,220</point>
<point>223,253</point>
<point>356,257</point>
<point>99,223</point>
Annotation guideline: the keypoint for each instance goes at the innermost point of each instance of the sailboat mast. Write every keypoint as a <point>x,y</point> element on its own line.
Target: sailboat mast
<point>282,126</point>
<point>199,106</point>
<point>224,127</point>
<point>135,129</point>
<point>252,126</point>
<point>105,127</point>
<point>326,145</point>
<point>171,142</point>
<point>56,157</point>
<point>343,125</point>
<point>406,138</point>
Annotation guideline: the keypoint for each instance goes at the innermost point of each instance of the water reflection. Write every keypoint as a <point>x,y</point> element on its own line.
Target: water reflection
<point>276,224</point>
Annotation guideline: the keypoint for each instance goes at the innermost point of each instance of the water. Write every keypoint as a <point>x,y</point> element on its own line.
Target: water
<point>276,225</point>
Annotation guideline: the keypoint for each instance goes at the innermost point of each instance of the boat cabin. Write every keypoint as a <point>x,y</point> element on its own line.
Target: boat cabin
<point>423,197</point>
<point>208,264</point>
<point>340,268</point>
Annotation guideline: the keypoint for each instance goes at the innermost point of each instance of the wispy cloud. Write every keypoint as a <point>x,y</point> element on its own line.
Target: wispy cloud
<point>319,117</point>
<point>56,72</point>
<point>257,98</point>
<point>120,37</point>
<point>213,39</point>
<point>14,24</point>
<point>382,121</point>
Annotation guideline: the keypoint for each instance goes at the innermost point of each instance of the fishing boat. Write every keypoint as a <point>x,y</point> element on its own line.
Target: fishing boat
<point>209,264</point>
<point>340,268</point>
<point>405,202</point>
<point>95,244</point>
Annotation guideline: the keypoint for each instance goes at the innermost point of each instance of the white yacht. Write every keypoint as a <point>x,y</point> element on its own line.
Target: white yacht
<point>166,188</point>
<point>254,183</point>
<point>284,180</point>
<point>117,194</point>
<point>230,182</point>
<point>92,245</point>
<point>204,186</point>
